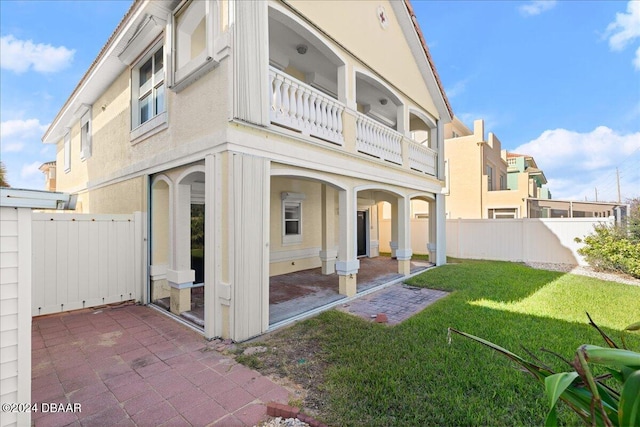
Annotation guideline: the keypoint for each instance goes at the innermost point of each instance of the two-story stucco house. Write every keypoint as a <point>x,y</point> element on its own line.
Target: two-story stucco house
<point>279,125</point>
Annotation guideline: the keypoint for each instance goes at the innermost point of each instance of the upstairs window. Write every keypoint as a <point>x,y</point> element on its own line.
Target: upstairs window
<point>148,88</point>
<point>85,136</point>
<point>67,152</point>
<point>489,178</point>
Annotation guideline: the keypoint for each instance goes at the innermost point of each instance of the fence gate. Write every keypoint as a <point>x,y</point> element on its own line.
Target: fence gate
<point>85,260</point>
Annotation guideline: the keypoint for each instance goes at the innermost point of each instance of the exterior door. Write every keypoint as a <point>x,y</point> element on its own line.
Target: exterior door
<point>362,233</point>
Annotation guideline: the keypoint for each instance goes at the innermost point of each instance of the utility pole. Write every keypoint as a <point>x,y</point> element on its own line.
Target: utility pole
<point>596,194</point>
<point>618,179</point>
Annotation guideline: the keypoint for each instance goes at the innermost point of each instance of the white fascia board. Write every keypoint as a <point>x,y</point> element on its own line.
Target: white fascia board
<point>21,198</point>
<point>108,68</point>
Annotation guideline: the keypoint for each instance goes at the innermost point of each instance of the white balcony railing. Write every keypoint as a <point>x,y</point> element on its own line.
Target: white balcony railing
<point>298,106</point>
<point>378,140</point>
<point>422,158</point>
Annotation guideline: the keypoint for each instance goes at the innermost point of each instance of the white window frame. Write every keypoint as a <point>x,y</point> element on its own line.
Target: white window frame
<point>491,213</point>
<point>292,199</point>
<point>67,151</point>
<point>86,136</point>
<point>158,81</point>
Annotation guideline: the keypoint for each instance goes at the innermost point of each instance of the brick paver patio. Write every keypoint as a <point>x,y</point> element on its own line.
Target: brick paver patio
<point>397,302</point>
<point>131,365</point>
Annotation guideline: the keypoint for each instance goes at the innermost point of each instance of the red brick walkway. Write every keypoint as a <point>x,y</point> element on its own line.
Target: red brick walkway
<point>132,366</point>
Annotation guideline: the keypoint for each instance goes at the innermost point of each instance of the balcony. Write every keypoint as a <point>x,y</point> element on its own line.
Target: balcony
<point>300,107</point>
<point>308,84</point>
<point>297,106</point>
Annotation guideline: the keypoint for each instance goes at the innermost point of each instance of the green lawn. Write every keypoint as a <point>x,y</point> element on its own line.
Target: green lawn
<point>372,375</point>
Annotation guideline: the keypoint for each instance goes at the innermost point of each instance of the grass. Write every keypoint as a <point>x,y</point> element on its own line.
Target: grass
<point>373,375</point>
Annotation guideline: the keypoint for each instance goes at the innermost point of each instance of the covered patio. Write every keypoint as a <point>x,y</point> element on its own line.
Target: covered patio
<point>293,294</point>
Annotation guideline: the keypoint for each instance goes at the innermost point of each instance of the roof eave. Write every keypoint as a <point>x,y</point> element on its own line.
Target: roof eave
<point>102,71</point>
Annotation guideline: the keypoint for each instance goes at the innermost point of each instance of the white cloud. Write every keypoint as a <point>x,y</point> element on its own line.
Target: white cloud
<point>577,163</point>
<point>31,170</point>
<point>15,134</point>
<point>458,88</point>
<point>625,29</point>
<point>21,55</point>
<point>536,7</point>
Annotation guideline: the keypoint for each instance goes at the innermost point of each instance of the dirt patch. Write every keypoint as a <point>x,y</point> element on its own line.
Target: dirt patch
<point>294,358</point>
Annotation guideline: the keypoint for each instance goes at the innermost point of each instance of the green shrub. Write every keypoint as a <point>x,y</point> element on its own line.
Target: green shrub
<point>610,248</point>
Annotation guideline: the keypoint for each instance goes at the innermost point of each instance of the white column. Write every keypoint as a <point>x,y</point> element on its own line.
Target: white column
<point>212,248</point>
<point>348,265</point>
<point>393,244</point>
<point>328,252</point>
<point>251,62</point>
<point>403,253</point>
<point>180,276</point>
<point>441,232</point>
<point>433,231</point>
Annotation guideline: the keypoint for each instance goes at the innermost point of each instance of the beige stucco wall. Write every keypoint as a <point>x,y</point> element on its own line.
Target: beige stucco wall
<point>122,198</point>
<point>468,157</point>
<point>465,171</point>
<point>381,49</point>
<point>311,226</point>
<point>76,178</point>
<point>192,117</point>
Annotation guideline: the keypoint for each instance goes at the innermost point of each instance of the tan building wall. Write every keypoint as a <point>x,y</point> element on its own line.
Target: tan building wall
<point>381,48</point>
<point>469,157</point>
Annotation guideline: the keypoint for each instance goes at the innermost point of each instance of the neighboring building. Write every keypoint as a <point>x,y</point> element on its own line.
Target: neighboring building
<point>287,122</point>
<point>49,171</point>
<point>477,175</point>
<point>525,174</point>
<point>485,181</point>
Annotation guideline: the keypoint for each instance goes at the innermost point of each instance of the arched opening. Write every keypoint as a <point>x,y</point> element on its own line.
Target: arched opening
<point>378,102</point>
<point>306,79</point>
<point>177,242</point>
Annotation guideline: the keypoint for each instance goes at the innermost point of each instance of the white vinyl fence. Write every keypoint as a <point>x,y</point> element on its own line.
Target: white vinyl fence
<point>550,240</point>
<point>85,260</point>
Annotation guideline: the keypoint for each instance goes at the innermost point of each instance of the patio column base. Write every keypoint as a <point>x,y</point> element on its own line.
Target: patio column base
<point>328,259</point>
<point>180,299</point>
<point>347,285</point>
<point>404,267</point>
<point>404,261</point>
<point>394,247</point>
<point>181,282</point>
<point>347,273</point>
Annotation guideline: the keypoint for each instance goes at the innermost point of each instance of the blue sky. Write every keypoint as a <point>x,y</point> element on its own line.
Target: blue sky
<point>557,80</point>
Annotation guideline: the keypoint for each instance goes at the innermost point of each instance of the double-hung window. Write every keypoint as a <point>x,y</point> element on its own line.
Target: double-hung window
<point>149,88</point>
<point>148,104</point>
<point>292,218</point>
